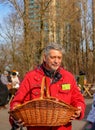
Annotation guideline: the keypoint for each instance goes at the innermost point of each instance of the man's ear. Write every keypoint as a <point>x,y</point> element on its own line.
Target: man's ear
<point>44,57</point>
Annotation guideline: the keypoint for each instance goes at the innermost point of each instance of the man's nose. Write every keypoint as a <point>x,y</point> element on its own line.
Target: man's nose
<point>56,60</point>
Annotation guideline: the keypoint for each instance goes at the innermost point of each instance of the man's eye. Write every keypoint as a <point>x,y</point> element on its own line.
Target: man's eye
<point>51,57</point>
<point>59,57</point>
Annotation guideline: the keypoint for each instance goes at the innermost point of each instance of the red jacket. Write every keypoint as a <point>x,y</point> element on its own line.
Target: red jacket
<point>30,89</point>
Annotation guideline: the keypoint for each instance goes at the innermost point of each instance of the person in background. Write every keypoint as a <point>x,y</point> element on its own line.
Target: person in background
<point>15,79</point>
<point>62,85</point>
<point>81,81</point>
<point>15,82</point>
<point>5,78</point>
<point>5,84</point>
<point>91,117</point>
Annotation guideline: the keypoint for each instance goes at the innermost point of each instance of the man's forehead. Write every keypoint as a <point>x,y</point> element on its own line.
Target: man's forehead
<point>55,52</point>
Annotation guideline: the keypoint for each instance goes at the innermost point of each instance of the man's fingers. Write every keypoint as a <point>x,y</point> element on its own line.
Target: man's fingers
<point>76,114</point>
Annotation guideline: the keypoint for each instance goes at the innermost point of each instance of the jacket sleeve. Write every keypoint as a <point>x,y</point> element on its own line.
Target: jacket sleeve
<point>22,95</point>
<point>77,98</point>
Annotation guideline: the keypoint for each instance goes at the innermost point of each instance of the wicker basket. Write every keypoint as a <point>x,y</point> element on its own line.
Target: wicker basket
<point>45,111</point>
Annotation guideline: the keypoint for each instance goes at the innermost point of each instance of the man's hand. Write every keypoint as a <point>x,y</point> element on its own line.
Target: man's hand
<point>17,123</point>
<point>76,115</point>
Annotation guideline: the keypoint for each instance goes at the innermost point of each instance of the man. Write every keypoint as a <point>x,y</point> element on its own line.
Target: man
<point>61,83</point>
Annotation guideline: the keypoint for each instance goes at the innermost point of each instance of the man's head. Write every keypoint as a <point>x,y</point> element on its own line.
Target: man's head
<point>53,56</point>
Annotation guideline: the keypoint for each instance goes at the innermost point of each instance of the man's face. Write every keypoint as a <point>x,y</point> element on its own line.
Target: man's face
<point>53,59</point>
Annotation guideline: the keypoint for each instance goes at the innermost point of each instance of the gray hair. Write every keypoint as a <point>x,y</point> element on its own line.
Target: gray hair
<point>54,46</point>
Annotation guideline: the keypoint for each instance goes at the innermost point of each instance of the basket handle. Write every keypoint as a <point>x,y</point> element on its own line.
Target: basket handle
<point>43,85</point>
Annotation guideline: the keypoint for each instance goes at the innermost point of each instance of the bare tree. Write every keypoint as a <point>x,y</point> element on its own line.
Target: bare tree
<point>93,38</point>
<point>12,33</point>
<point>67,22</point>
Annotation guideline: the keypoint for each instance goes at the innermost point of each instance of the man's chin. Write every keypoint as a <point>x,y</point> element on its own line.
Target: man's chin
<point>54,68</point>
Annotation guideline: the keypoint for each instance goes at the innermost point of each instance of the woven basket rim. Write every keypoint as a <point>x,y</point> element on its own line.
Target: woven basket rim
<point>40,106</point>
<point>51,99</point>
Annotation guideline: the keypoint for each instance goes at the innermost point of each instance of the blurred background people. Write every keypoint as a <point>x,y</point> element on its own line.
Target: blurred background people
<point>15,79</point>
<point>81,80</point>
<point>5,84</point>
<point>15,82</point>
<point>91,117</point>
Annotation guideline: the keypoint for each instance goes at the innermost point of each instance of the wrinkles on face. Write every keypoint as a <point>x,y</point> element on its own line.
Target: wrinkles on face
<point>53,60</point>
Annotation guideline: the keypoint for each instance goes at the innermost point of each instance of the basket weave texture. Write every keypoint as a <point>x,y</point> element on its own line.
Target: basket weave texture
<point>45,111</point>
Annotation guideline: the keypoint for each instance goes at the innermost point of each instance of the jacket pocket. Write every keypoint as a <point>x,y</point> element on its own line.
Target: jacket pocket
<point>64,91</point>
<point>64,95</point>
<point>36,91</point>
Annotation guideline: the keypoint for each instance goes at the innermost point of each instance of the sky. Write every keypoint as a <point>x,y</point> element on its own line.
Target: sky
<point>4,10</point>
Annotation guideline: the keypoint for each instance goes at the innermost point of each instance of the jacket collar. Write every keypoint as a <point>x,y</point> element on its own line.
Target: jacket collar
<point>55,76</point>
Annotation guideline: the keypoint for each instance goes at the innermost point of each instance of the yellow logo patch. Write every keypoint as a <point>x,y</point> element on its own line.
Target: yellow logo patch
<point>65,86</point>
